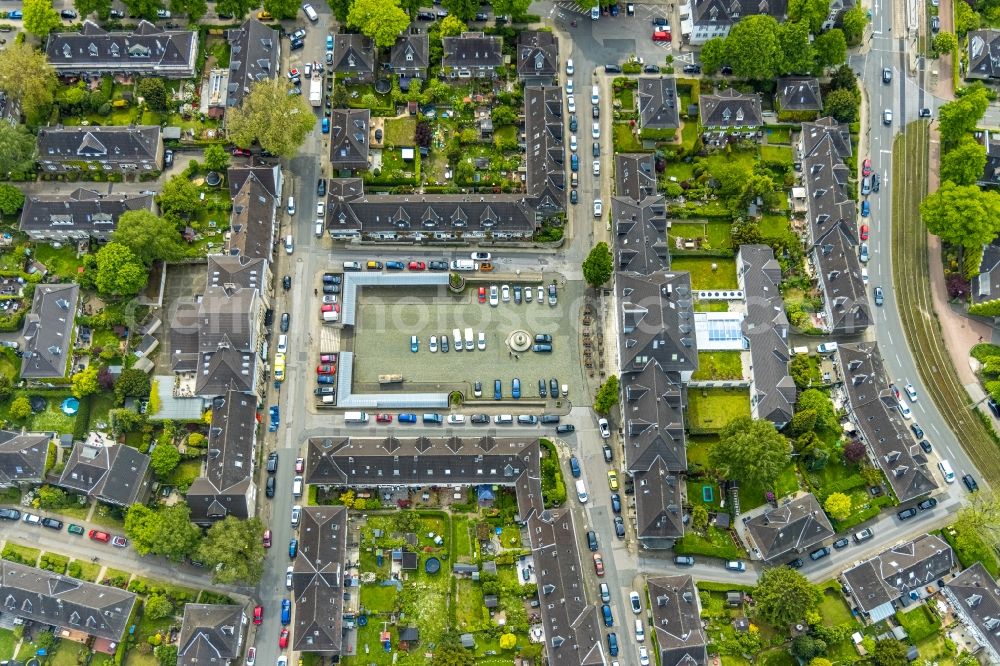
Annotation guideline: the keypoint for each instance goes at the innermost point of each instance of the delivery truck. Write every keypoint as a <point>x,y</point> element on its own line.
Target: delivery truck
<point>316,90</point>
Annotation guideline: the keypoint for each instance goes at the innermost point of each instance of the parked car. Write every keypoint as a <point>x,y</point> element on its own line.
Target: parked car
<point>863,535</point>
<point>52,523</point>
<point>565,428</point>
<point>98,535</point>
<point>119,541</point>
<point>598,564</point>
<point>842,542</point>
<point>906,514</point>
<point>605,429</point>
<point>736,565</point>
<point>258,614</point>
<point>927,504</point>
<point>10,514</point>
<point>619,527</point>
<point>970,483</point>
<point>917,430</point>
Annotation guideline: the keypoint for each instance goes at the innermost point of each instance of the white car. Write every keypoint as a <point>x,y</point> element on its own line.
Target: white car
<point>595,13</point>
<point>571,103</point>
<point>162,13</point>
<point>320,209</point>
<point>863,253</point>
<point>296,512</point>
<point>481,344</point>
<point>527,294</point>
<point>541,295</point>
<point>572,142</point>
<point>643,656</point>
<point>251,656</point>
<point>282,661</point>
<point>481,256</point>
<point>32,519</point>
<point>596,131</point>
<point>635,602</point>
<point>569,67</point>
<point>887,116</point>
<point>494,295</point>
<point>319,227</point>
<point>904,410</point>
<point>911,392</point>
<point>433,344</point>
<point>505,293</point>
<point>598,207</point>
<point>456,419</point>
<point>569,86</point>
<point>329,299</point>
<point>288,577</point>
<point>605,428</point>
<point>597,167</point>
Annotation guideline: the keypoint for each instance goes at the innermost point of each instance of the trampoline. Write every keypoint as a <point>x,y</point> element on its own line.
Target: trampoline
<point>70,406</point>
<point>432,565</point>
<point>707,494</point>
<point>38,403</point>
<point>362,620</point>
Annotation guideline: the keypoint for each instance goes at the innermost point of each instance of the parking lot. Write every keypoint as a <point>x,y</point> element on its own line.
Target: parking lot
<point>387,317</point>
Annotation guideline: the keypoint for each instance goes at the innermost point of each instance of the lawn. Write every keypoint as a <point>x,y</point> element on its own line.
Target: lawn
<point>463,537</point>
<point>400,131</point>
<point>378,598</point>
<point>779,135</point>
<point>833,609</point>
<point>689,134</point>
<point>66,654</point>
<point>100,405</point>
<point>16,553</point>
<point>7,642</point>
<point>774,226</point>
<point>753,495</point>
<point>695,496</point>
<point>61,261</point>
<point>715,543</point>
<point>712,409</point>
<point>10,364</point>
<point>624,140</point>
<point>719,365</point>
<point>717,234</point>
<point>920,622</point>
<point>777,154</point>
<point>185,473</point>
<point>970,548</point>
<point>703,276</point>
<point>88,571</point>
<point>53,419</point>
<point>711,306</point>
<point>469,605</point>
<point>698,447</point>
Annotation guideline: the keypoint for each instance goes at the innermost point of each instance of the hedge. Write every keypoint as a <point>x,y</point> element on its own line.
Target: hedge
<point>987,309</point>
<point>82,424</point>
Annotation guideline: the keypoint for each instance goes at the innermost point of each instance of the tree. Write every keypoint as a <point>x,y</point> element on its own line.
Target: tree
<point>784,596</point>
<point>167,531</point>
<point>166,655</point>
<point>26,75</point>
<point>462,9</point>
<point>750,450</point>
<point>20,409</point>
<point>855,452</point>
<point>598,265</point>
<point>87,7</point>
<point>962,214</point>
<point>844,78</point>
<point>803,421</point>
<point>11,199</point>
<point>6,388</point>
<point>216,158</point>
<point>890,652</point>
<point>150,237</point>
<point>830,48</point>
<point>277,120</point>
<point>752,48</point>
<point>233,549</point>
<point>85,381</point>
<point>194,9</point>
<point>281,9</point>
<point>238,9</point>
<point>842,104</point>
<point>40,18</point>
<point>960,117</point>
<point>132,383</point>
<point>382,20</point>
<point>607,395</point>
<point>154,92</point>
<point>964,164</point>
<point>820,661</point>
<point>119,272</point>
<point>966,18</point>
<point>17,149</point>
<point>853,24</point>
<point>501,115</point>
<point>157,606</point>
<point>811,12</point>
<point>838,505</point>
<point>50,497</point>
<point>797,52</point>
<point>449,651</point>
<point>713,55</point>
<point>508,641</point>
<point>180,198</point>
<point>805,647</point>
<point>944,43</point>
<point>980,516</point>
<point>516,9</point>
<point>164,458</point>
<point>143,8</point>
<point>339,9</point>
<point>452,26</point>
<point>699,517</point>
<point>819,402</point>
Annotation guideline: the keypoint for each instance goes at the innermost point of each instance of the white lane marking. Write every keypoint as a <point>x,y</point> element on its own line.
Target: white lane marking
<point>888,336</point>
<point>888,152</point>
<point>934,428</point>
<point>949,451</point>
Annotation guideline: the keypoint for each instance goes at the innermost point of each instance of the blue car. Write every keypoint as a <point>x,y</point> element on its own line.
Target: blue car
<point>515,388</point>
<point>393,265</point>
<point>286,611</point>
<point>407,418</point>
<point>324,379</point>
<point>414,344</point>
<point>329,42</point>
<point>275,419</point>
<point>326,126</point>
<point>609,620</point>
<point>574,162</point>
<point>497,390</point>
<point>16,14</point>
<point>613,644</point>
<point>865,209</point>
<point>293,548</point>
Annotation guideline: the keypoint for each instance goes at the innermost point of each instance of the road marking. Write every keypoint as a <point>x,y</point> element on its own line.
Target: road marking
<point>948,448</point>
<point>898,362</point>
<point>887,152</point>
<point>888,336</point>
<point>934,428</point>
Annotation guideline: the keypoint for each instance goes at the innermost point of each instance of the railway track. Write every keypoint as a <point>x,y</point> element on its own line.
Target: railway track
<point>912,285</point>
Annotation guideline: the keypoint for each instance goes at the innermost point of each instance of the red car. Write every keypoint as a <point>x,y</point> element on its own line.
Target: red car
<point>482,294</point>
<point>418,266</point>
<point>864,232</point>
<point>661,36</point>
<point>866,167</point>
<point>241,152</point>
<point>258,614</point>
<point>598,564</point>
<point>383,418</point>
<point>300,464</point>
<point>97,535</point>
<point>327,358</point>
<point>267,538</point>
<point>283,638</point>
<point>335,307</point>
<point>325,370</point>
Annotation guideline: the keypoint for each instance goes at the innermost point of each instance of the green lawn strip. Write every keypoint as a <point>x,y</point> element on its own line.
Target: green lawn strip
<point>936,649</point>
<point>864,508</point>
<point>469,601</point>
<point>680,170</point>
<point>711,306</point>
<point>753,495</point>
<point>624,140</point>
<point>777,154</point>
<point>833,609</point>
<point>698,447</point>
<point>107,521</point>
<point>75,512</point>
<point>62,261</point>
<point>718,365</point>
<point>717,233</point>
<point>463,536</point>
<point>185,473</point>
<point>369,649</point>
<point>10,495</point>
<point>702,274</point>
<point>778,135</point>
<point>53,562</point>
<point>400,131</point>
<point>920,622</point>
<point>177,593</point>
<point>23,554</point>
<point>87,571</point>
<point>378,598</point>
<point>715,543</point>
<point>774,225</point>
<point>66,654</point>
<point>970,548</point>
<point>7,643</point>
<point>689,134</point>
<point>115,577</point>
<point>10,365</point>
<point>712,408</point>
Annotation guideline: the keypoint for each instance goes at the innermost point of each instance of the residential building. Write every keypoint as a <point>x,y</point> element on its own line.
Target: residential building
<point>794,527</point>
<point>241,271</point>
<point>471,54</point>
<point>269,177</point>
<point>78,215</point>
<point>349,139</point>
<point>833,232</point>
<point>984,54</point>
<point>714,18</point>
<point>48,331</point>
<point>656,322</point>
<point>102,469</point>
<point>545,161</point>
<point>148,50</point>
<point>353,58</point>
<point>986,285</point>
<point>877,585</point>
<point>834,135</point>
<point>975,599</point>
<point>640,233</point>
<point>765,334</point>
<point>658,108</point>
<point>211,634</point>
<point>873,407</point>
<point>318,585</point>
<point>676,610</point>
<point>635,175</point>
<point>22,457</point>
<point>108,148</point>
<point>537,57</point>
<point>228,487</point>
<point>255,55</point>
<point>799,94</point>
<point>835,17</point>
<point>10,108</point>
<point>253,222</point>
<point>731,109</point>
<point>410,56</point>
<point>79,611</point>
<point>991,172</point>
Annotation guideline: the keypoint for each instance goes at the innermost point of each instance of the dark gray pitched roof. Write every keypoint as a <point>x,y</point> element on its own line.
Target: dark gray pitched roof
<point>653,420</point>
<point>268,176</point>
<point>826,129</point>
<point>22,456</point>
<point>147,49</point>
<point>658,103</point>
<point>353,55</point>
<point>48,331</point>
<point>252,220</point>
<point>676,609</point>
<point>659,498</point>
<point>796,525</point>
<point>640,234</point>
<point>545,160</point>
<point>254,53</point>
<point>238,270</point>
<point>410,52</point>
<point>975,595</point>
<point>873,409</point>
<point>472,50</point>
<point>986,285</point>
<point>726,12</point>
<point>656,321</point>
<point>227,487</point>
<point>110,472</point>
<point>635,175</point>
<point>110,142</point>
<point>53,599</point>
<point>984,54</point>
<point>349,138</point>
<point>765,327</point>
<point>210,634</point>
<point>894,572</point>
<point>799,93</point>
<point>80,210</point>
<point>731,108</point>
<point>537,54</point>
<point>318,580</point>
<point>991,172</point>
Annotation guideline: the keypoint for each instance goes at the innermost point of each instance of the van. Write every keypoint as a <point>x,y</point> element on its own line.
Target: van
<point>503,419</point>
<point>946,471</point>
<point>470,344</point>
<point>640,631</point>
<point>595,95</point>
<point>297,487</point>
<point>433,418</point>
<point>289,244</point>
<point>328,400</point>
<point>581,491</point>
<point>464,265</point>
<point>355,417</point>
<point>291,205</point>
<point>457,336</point>
<point>826,347</point>
<point>310,12</point>
<point>352,266</point>
<point>800,350</point>
<point>282,344</point>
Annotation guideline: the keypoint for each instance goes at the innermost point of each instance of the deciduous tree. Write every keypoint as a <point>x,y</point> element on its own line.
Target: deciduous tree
<point>598,265</point>
<point>966,18</point>
<point>853,24</point>
<point>164,458</point>
<point>382,20</point>
<point>516,9</point>
<point>154,91</point>
<point>234,550</point>
<point>699,517</point>
<point>20,408</point>
<point>339,9</point>
<point>819,402</point>
<point>784,596</point>
<point>958,118</point>
<point>751,450</point>
<point>216,158</point>
<point>812,12</point>
<point>180,198</point>
<point>838,505</point>
<point>981,516</point>
<point>194,9</point>
<point>962,214</point>
<point>143,8</point>
<point>85,381</point>
<point>449,651</point>
<point>803,421</point>
<point>167,531</point>
<point>281,9</point>
<point>40,18</point>
<point>87,7</point>
<point>944,43</point>
<point>238,9</point>
<point>11,199</point>
<point>890,652</point>
<point>150,237</point>
<point>830,49</point>
<point>713,55</point>
<point>17,149</point>
<point>166,655</point>
<point>26,75</point>
<point>964,164</point>
<point>805,647</point>
<point>119,272</point>
<point>277,120</point>
<point>157,606</point>
<point>752,48</point>
<point>452,26</point>
<point>842,104</point>
<point>132,383</point>
<point>463,9</point>
<point>796,51</point>
<point>6,388</point>
<point>607,395</point>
